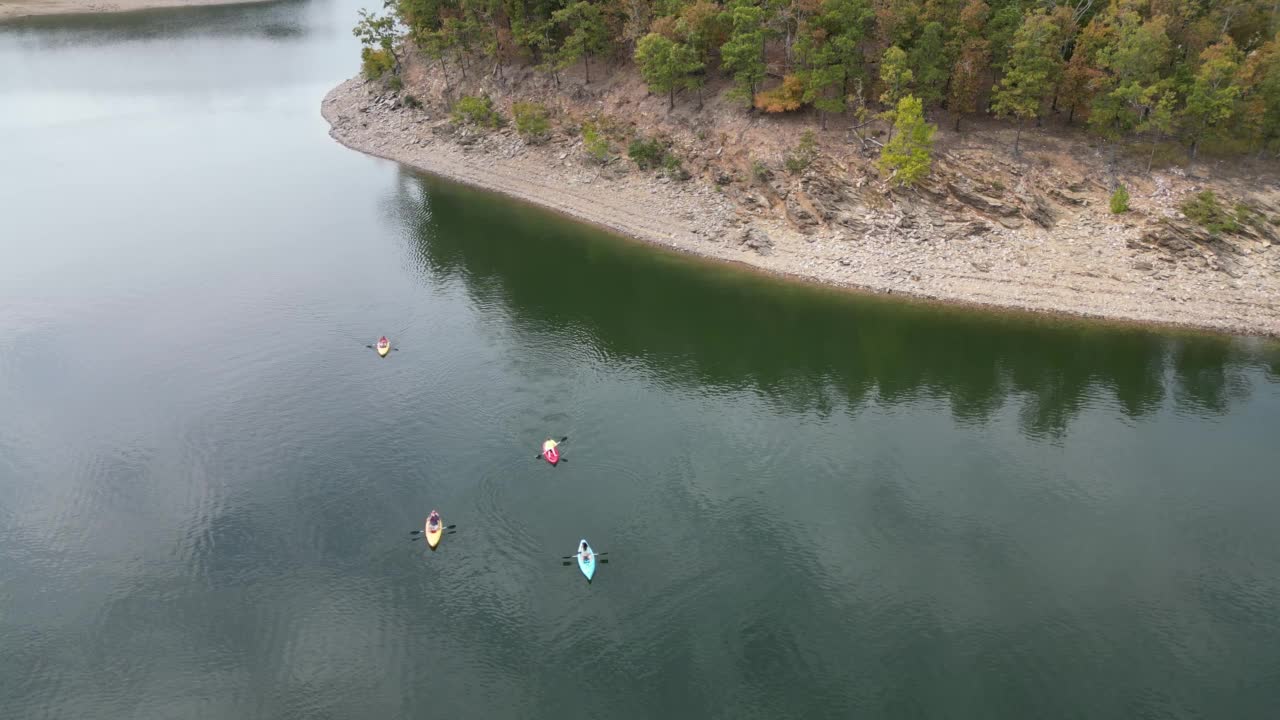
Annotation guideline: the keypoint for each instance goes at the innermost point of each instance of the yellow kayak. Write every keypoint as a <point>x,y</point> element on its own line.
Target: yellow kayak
<point>383,347</point>
<point>433,535</point>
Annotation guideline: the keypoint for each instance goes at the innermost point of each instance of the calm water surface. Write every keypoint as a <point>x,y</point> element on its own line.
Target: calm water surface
<point>818,506</point>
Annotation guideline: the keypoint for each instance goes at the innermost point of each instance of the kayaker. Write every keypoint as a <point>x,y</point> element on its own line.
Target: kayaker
<point>585,551</point>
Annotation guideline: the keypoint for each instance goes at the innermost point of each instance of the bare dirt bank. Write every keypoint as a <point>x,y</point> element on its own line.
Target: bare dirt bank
<point>953,242</point>
<point>26,8</point>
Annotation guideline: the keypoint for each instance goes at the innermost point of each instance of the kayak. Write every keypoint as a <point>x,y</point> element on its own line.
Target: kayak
<point>433,536</point>
<point>550,452</point>
<point>586,559</point>
<point>383,347</point>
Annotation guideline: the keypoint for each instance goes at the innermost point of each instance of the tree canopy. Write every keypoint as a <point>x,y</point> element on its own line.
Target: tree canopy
<point>1130,70</point>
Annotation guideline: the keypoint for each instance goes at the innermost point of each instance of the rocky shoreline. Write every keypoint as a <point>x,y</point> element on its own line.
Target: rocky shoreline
<point>959,246</point>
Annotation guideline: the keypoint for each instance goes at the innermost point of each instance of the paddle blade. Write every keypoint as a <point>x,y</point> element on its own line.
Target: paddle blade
<point>414,532</point>
<point>566,437</point>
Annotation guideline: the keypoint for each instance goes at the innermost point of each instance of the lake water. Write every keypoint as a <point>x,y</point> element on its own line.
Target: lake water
<point>816,505</point>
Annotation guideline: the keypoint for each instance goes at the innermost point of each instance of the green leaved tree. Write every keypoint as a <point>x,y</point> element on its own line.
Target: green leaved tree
<point>667,65</point>
<point>1030,73</point>
<point>587,34</point>
<point>930,64</point>
<point>908,157</point>
<point>1212,97</point>
<point>896,76</point>
<point>379,31</point>
<point>742,54</point>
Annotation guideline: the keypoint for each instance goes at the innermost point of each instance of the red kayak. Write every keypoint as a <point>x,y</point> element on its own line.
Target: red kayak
<point>550,452</point>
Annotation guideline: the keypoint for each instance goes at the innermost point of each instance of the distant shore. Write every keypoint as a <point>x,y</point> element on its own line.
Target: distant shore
<point>11,9</point>
<point>1083,269</point>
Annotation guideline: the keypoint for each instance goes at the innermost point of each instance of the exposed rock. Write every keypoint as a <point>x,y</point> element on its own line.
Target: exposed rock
<point>980,202</point>
<point>801,212</point>
<point>1013,222</point>
<point>1040,213</point>
<point>757,240</point>
<point>854,223</point>
<point>1067,198</point>
<point>975,228</point>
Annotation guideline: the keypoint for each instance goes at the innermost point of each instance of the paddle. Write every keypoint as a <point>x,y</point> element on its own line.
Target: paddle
<point>571,557</point>
<point>539,455</point>
<point>570,562</point>
<point>446,527</point>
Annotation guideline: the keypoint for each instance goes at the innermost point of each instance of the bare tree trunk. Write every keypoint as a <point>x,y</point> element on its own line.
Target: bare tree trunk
<point>1017,137</point>
<point>671,98</point>
<point>1152,157</point>
<point>586,62</point>
<point>957,122</point>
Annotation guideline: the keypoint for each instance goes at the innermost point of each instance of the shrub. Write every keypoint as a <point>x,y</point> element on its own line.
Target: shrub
<point>786,97</point>
<point>760,171</point>
<point>674,168</point>
<point>1120,200</point>
<point>1204,209</point>
<point>532,120</point>
<point>411,102</point>
<point>375,63</point>
<point>595,142</point>
<point>1247,215</point>
<point>473,110</point>
<point>647,154</point>
<point>393,83</point>
<point>803,155</point>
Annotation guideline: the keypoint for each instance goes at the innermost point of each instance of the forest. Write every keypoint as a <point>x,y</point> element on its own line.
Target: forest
<point>1205,74</point>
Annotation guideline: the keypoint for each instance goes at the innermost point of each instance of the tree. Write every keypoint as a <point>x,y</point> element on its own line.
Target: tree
<point>1260,96</point>
<point>895,75</point>
<point>930,64</point>
<point>743,53</point>
<point>702,27</point>
<point>1078,82</point>
<point>907,157</point>
<point>1211,99</point>
<point>1130,55</point>
<point>827,49</point>
<point>845,22</point>
<point>378,31</point>
<point>966,78</point>
<point>667,65</point>
<point>1001,28</point>
<point>587,34</point>
<point>1160,119</point>
<point>1030,72</point>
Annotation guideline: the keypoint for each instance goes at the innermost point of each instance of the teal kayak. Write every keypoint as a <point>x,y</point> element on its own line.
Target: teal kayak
<point>586,559</point>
